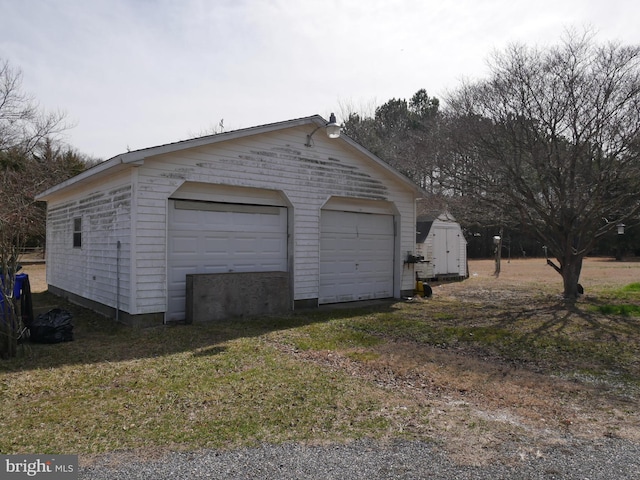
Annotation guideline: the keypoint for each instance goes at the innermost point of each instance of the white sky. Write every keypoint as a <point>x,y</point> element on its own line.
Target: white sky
<point>139,73</point>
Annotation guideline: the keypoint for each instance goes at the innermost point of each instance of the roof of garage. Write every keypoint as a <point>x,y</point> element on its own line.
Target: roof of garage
<point>128,159</point>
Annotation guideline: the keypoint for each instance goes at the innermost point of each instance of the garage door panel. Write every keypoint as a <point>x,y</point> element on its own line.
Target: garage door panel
<point>239,267</point>
<point>347,245</point>
<point>215,245</point>
<point>372,230</point>
<point>272,246</point>
<point>243,244</point>
<point>181,244</point>
<point>176,292</point>
<point>220,238</point>
<point>214,268</point>
<point>356,256</point>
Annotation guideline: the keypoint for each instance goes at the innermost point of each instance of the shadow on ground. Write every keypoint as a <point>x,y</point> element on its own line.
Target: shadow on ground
<point>100,339</point>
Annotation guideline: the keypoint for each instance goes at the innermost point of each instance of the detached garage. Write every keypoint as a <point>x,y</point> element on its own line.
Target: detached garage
<point>258,220</point>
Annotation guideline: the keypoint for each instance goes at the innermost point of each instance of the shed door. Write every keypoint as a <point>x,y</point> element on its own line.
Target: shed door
<point>453,251</point>
<point>207,237</point>
<point>446,247</point>
<point>356,256</point>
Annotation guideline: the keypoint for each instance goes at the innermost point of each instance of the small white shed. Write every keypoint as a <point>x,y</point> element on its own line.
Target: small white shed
<point>442,247</point>
<point>253,220</point>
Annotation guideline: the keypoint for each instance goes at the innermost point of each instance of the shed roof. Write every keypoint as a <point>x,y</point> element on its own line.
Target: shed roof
<point>137,157</point>
<point>422,231</point>
<point>432,215</point>
<point>424,222</point>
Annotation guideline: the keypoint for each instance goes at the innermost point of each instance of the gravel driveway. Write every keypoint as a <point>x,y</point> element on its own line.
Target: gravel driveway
<point>607,459</point>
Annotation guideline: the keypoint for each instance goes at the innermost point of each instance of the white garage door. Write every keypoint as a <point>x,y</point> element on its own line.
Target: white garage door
<point>356,256</point>
<point>207,237</point>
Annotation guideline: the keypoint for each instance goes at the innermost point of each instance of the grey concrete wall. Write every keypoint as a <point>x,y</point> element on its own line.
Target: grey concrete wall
<point>217,296</point>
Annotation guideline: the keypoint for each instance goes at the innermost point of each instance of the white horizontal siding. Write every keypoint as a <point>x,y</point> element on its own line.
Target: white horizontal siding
<point>149,232</point>
<point>276,161</point>
<point>425,249</point>
<point>91,270</point>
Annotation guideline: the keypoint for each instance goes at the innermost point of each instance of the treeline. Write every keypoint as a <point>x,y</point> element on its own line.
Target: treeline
<point>546,150</point>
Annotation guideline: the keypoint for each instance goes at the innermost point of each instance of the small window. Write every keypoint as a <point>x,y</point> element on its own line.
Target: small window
<point>77,232</point>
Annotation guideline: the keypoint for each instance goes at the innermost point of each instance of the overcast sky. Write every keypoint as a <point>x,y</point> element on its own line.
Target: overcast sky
<point>139,73</point>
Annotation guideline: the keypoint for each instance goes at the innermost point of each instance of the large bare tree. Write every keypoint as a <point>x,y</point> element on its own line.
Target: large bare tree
<point>25,134</point>
<point>552,140</point>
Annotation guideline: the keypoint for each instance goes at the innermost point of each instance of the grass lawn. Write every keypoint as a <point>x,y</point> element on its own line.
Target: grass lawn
<point>482,362</point>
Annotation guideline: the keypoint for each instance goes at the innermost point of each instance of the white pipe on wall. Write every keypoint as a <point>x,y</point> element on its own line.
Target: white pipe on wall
<point>118,281</point>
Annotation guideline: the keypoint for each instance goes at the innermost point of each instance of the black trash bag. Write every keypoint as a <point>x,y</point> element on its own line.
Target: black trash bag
<point>52,327</point>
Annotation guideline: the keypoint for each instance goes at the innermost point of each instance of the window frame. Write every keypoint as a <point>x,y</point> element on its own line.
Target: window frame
<point>77,232</point>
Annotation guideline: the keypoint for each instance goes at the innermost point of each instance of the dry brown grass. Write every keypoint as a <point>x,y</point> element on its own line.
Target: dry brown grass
<point>596,273</point>
<point>37,276</point>
<point>479,402</point>
<point>480,407</point>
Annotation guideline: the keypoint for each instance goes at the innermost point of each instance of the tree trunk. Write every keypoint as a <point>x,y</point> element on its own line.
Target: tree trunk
<point>498,253</point>
<point>8,337</point>
<point>570,271</point>
<point>9,321</point>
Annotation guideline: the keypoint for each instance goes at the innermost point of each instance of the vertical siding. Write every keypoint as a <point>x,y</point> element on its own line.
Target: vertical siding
<point>90,271</point>
<point>275,161</point>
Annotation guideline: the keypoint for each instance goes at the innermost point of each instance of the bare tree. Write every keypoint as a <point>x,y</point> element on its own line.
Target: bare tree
<point>552,140</point>
<point>22,123</point>
<point>23,129</point>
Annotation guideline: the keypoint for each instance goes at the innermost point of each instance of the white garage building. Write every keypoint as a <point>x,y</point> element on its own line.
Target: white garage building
<point>134,236</point>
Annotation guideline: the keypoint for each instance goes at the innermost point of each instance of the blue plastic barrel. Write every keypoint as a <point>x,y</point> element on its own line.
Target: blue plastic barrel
<point>1,306</point>
<point>17,286</point>
<point>17,291</point>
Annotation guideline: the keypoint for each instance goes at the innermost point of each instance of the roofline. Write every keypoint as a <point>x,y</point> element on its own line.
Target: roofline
<point>137,157</point>
<point>141,154</point>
